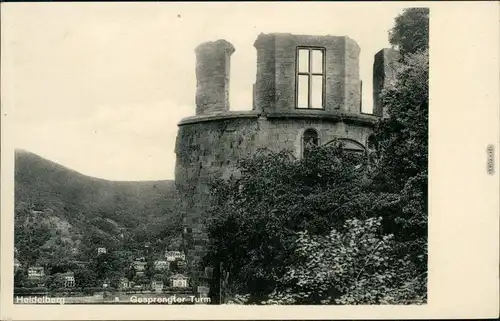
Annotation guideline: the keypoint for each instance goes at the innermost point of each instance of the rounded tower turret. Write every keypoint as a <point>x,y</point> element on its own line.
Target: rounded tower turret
<point>213,60</point>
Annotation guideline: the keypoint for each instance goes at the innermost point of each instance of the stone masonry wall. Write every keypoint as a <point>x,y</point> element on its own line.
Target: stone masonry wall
<point>352,101</point>
<point>265,87</point>
<point>286,133</point>
<point>204,149</point>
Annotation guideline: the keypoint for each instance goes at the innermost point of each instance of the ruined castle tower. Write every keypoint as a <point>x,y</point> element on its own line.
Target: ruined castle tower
<point>384,69</point>
<point>307,89</point>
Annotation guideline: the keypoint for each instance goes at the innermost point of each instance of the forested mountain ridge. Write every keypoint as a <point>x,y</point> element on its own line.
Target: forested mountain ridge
<point>62,214</point>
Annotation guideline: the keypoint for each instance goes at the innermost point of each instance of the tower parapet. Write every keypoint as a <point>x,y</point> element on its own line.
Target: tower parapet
<point>213,61</point>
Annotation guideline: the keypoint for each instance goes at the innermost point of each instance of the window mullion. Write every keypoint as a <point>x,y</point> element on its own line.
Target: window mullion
<point>309,98</point>
<point>323,76</point>
<point>323,79</point>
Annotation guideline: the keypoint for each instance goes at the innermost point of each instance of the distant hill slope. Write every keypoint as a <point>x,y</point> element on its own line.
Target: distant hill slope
<point>82,212</point>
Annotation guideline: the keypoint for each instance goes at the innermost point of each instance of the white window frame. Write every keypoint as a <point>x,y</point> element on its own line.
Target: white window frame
<point>310,75</point>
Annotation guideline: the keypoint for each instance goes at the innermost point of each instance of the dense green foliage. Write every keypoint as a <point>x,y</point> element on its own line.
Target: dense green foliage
<point>29,237</point>
<point>55,281</point>
<point>410,33</point>
<point>85,278</point>
<point>355,265</point>
<point>402,174</point>
<point>334,227</point>
<point>255,217</point>
<point>401,177</point>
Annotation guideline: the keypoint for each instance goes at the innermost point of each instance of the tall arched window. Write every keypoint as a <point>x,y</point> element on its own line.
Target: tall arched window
<point>309,139</point>
<point>371,150</point>
<point>371,142</point>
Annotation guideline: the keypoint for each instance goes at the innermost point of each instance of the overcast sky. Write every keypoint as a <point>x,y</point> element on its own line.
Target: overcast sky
<point>100,87</point>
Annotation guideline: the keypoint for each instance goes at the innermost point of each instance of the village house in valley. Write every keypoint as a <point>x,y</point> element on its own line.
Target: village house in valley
<point>36,272</point>
<point>69,279</point>
<point>139,266</point>
<point>161,265</point>
<point>17,264</point>
<point>179,281</point>
<point>174,255</point>
<point>203,290</point>
<point>157,283</point>
<point>125,284</point>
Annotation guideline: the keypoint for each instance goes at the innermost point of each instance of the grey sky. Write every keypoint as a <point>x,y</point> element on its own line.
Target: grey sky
<point>100,87</point>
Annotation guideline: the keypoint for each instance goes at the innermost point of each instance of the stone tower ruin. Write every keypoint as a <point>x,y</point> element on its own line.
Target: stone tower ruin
<point>307,89</point>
